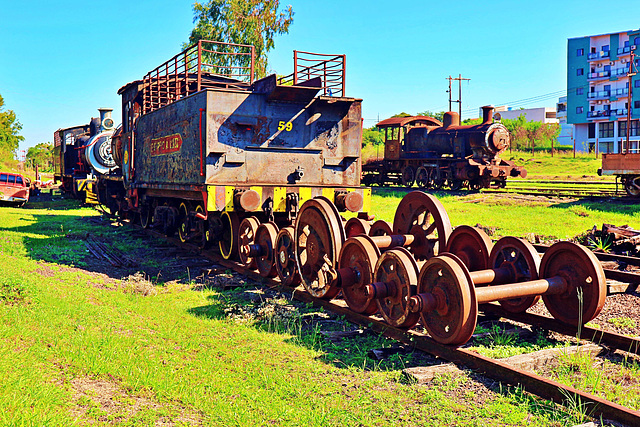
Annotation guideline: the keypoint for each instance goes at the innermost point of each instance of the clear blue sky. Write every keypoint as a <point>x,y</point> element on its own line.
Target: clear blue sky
<point>60,61</point>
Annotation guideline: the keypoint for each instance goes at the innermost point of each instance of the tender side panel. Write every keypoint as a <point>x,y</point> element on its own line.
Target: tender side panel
<point>167,144</point>
<point>621,164</point>
<point>252,139</point>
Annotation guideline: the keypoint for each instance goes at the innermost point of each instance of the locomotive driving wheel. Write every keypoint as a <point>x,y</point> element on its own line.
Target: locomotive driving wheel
<point>632,186</point>
<point>454,319</point>
<point>201,229</point>
<point>246,237</point>
<point>423,179</point>
<point>586,289</point>
<point>471,245</point>
<point>408,176</point>
<point>319,235</point>
<point>398,271</point>
<point>359,255</point>
<point>266,235</point>
<point>146,215</point>
<point>523,260</point>
<point>228,243</point>
<point>423,215</point>
<point>285,260</point>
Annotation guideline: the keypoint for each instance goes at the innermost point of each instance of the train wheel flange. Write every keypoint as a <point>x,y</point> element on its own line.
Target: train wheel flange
<point>583,273</point>
<point>266,235</point>
<point>399,270</point>
<point>424,216</point>
<point>408,176</point>
<point>523,260</point>
<point>319,235</point>
<point>286,258</point>
<point>146,215</point>
<point>448,281</point>
<point>471,245</point>
<point>422,177</point>
<point>360,255</point>
<point>356,226</point>
<point>246,237</point>
<point>228,243</point>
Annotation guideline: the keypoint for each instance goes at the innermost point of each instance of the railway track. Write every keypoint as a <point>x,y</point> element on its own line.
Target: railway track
<point>495,369</point>
<point>548,188</point>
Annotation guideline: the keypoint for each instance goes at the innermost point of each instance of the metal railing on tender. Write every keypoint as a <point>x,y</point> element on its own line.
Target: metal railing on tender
<point>330,69</point>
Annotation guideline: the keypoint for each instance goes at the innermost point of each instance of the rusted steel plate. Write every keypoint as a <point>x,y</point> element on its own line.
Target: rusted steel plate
<point>620,164</point>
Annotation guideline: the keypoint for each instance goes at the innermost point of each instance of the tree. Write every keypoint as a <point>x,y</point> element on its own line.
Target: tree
<point>251,22</point>
<point>9,133</point>
<point>40,155</point>
<point>437,116</point>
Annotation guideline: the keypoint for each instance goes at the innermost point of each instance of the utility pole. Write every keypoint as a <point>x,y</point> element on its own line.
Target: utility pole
<point>459,101</point>
<point>631,74</point>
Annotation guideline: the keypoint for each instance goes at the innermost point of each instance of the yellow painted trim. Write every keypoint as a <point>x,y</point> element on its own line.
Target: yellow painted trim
<point>280,199</point>
<point>228,199</point>
<point>366,200</point>
<point>211,198</point>
<point>304,194</point>
<point>329,193</point>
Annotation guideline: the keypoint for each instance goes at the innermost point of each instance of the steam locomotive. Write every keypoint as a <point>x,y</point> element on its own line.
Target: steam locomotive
<point>433,154</point>
<point>81,153</point>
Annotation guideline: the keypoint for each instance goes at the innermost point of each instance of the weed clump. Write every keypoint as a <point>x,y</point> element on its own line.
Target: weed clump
<point>138,284</point>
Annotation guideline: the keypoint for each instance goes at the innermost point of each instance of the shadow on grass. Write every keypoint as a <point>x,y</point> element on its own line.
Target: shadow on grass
<point>97,244</point>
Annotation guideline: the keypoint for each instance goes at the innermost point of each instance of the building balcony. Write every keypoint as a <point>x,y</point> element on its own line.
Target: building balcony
<point>599,75</point>
<point>621,72</point>
<point>598,114</point>
<point>601,94</point>
<point>596,56</point>
<point>624,50</point>
<point>620,92</point>
<point>620,112</point>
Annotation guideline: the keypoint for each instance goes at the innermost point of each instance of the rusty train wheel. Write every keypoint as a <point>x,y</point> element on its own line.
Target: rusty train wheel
<point>408,176</point>
<point>202,229</point>
<point>146,215</point>
<point>471,245</point>
<point>583,273</point>
<point>360,254</point>
<point>183,222</point>
<point>246,236</point>
<point>286,258</point>
<point>399,270</point>
<point>356,226</point>
<point>228,243</point>
<point>266,235</point>
<point>319,235</point>
<point>524,261</point>
<point>422,177</point>
<point>423,215</point>
<point>380,228</point>
<point>448,280</point>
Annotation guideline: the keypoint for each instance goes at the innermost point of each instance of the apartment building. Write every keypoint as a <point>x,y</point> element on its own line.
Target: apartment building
<point>598,88</point>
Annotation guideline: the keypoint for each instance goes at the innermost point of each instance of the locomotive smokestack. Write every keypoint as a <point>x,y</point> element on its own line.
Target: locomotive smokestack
<point>487,114</point>
<point>451,118</point>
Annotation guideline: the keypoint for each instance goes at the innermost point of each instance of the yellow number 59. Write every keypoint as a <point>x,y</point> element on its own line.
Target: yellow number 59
<point>282,125</point>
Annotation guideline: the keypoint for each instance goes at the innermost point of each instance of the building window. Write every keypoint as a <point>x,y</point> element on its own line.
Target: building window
<point>636,40</point>
<point>636,83</point>
<point>605,48</point>
<point>580,71</point>
<point>636,104</point>
<point>606,147</point>
<point>580,90</point>
<point>578,110</point>
<point>580,52</point>
<point>605,130</point>
<point>592,131</point>
<point>622,128</point>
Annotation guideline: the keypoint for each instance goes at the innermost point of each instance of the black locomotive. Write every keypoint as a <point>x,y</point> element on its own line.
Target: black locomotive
<point>432,154</point>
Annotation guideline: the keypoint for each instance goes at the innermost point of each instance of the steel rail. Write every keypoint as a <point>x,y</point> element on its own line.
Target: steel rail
<point>495,369</point>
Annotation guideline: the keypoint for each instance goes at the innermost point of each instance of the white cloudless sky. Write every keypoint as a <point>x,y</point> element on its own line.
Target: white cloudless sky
<point>61,61</point>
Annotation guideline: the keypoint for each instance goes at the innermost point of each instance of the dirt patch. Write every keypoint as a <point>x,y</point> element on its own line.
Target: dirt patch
<point>105,401</point>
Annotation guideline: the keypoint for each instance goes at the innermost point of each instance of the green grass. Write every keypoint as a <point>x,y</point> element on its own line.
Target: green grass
<point>562,166</point>
<point>77,349</point>
<point>520,217</point>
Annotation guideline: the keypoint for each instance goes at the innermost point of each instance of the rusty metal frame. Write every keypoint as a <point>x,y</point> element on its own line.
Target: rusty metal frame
<point>182,75</point>
<point>330,68</point>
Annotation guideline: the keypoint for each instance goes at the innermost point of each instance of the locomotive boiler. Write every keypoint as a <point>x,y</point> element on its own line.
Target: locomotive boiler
<point>432,154</point>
